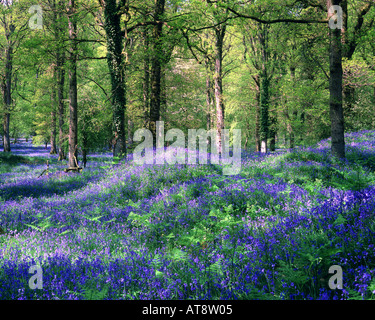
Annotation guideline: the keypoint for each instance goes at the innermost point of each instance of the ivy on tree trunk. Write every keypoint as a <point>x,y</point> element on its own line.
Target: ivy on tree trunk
<point>116,70</point>
<point>335,89</point>
<point>156,64</point>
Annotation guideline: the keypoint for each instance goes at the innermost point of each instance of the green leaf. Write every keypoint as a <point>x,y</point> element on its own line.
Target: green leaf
<point>112,220</point>
<point>33,227</point>
<point>340,220</point>
<point>178,255</point>
<point>159,274</point>
<point>65,232</point>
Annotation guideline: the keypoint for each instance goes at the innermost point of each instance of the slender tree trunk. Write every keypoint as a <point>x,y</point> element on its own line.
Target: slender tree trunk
<point>61,106</point>
<point>130,132</point>
<point>156,65</point>
<point>264,121</point>
<point>218,85</point>
<point>257,113</point>
<point>146,79</point>
<point>53,149</point>
<point>272,141</point>
<point>73,102</point>
<point>273,131</point>
<point>294,113</point>
<point>6,138</point>
<point>335,89</point>
<point>291,140</point>
<point>7,89</point>
<point>163,93</point>
<point>53,122</point>
<point>264,96</point>
<point>84,145</point>
<point>60,62</point>
<point>116,69</point>
<point>209,101</point>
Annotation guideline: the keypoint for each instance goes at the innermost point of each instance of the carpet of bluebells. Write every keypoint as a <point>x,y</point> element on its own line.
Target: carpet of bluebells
<point>124,231</point>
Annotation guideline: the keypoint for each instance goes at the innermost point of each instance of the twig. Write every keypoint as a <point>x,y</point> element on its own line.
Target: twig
<point>45,171</point>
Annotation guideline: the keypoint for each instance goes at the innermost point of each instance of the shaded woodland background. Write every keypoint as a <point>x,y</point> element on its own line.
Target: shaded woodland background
<point>99,70</point>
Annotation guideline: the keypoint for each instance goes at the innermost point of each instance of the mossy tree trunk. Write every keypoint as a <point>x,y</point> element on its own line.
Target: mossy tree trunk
<point>116,70</point>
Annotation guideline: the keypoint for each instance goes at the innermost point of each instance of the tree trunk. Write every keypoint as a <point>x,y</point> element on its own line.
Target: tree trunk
<point>53,133</point>
<point>156,62</point>
<point>7,88</point>
<point>146,79</point>
<point>53,123</point>
<point>61,107</point>
<point>60,62</point>
<point>264,104</point>
<point>335,89</point>
<point>273,131</point>
<point>257,113</point>
<point>218,84</point>
<point>272,140</point>
<point>84,146</point>
<point>163,93</point>
<point>209,101</point>
<point>116,69</point>
<point>264,93</point>
<point>73,102</point>
<point>130,132</point>
<point>6,138</point>
<point>291,140</point>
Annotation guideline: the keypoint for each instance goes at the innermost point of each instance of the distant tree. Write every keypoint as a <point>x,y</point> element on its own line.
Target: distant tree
<point>112,15</point>
<point>13,29</point>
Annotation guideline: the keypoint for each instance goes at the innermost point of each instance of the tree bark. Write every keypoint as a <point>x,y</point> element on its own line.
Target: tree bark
<point>156,64</point>
<point>6,138</point>
<point>209,100</point>
<point>264,104</point>
<point>84,146</point>
<point>218,85</point>
<point>335,89</point>
<point>116,69</point>
<point>257,113</point>
<point>130,132</point>
<point>73,102</point>
<point>264,95</point>
<point>53,122</point>
<point>7,87</point>
<point>61,106</point>
<point>273,131</point>
<point>60,62</point>
<point>163,92</point>
<point>146,79</point>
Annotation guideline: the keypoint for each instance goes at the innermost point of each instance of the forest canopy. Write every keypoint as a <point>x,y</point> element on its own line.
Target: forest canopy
<point>85,75</point>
